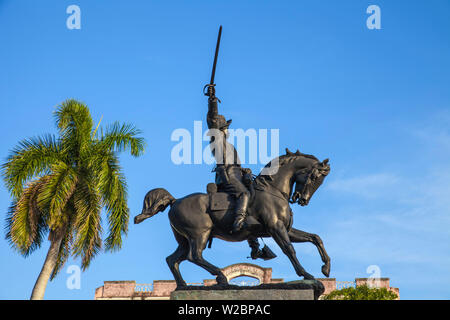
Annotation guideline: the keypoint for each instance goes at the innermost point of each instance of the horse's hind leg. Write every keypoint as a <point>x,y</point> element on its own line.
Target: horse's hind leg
<point>177,257</point>
<point>296,235</point>
<point>197,245</point>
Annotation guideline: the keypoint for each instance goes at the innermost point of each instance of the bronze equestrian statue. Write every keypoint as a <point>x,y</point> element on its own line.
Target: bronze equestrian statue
<point>195,220</point>
<point>238,207</point>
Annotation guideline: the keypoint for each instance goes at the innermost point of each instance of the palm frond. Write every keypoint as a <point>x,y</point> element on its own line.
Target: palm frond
<point>26,221</point>
<point>75,124</point>
<point>58,191</point>
<point>30,158</point>
<point>67,239</point>
<point>114,191</point>
<point>87,225</point>
<point>123,137</point>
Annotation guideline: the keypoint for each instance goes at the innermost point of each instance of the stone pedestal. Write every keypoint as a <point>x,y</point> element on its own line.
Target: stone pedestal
<point>296,290</point>
<point>271,294</point>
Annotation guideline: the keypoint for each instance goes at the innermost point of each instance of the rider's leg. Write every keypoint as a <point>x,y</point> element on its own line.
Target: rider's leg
<point>241,210</point>
<point>241,193</point>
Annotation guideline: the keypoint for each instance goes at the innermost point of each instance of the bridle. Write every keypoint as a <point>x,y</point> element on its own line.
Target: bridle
<point>320,169</point>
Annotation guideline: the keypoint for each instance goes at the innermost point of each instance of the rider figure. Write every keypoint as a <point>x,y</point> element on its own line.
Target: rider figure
<point>230,176</point>
<point>229,173</point>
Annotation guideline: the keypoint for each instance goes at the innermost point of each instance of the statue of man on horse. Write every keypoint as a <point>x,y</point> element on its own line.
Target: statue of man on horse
<point>238,207</point>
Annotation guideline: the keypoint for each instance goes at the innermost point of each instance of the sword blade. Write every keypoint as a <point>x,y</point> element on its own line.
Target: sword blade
<point>215,56</point>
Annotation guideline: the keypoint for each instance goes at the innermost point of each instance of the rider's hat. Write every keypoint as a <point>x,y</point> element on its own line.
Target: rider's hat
<point>223,123</point>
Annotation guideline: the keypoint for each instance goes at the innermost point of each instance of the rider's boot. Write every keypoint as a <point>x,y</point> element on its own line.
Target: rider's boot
<point>265,253</point>
<point>256,252</point>
<point>241,211</point>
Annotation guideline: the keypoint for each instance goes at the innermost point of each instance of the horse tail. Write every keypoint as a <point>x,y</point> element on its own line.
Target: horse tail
<point>155,201</point>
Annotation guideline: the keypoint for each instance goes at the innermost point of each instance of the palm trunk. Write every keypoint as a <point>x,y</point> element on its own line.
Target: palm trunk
<point>47,269</point>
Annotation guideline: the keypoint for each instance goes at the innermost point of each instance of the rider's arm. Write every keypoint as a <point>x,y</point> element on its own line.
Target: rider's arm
<point>212,116</point>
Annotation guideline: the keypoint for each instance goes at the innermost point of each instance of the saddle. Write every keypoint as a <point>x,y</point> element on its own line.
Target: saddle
<point>219,201</point>
<point>222,201</point>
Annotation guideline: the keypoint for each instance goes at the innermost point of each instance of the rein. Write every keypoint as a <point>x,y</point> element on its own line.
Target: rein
<point>281,194</point>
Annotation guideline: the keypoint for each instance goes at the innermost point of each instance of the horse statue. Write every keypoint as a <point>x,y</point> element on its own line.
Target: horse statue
<point>198,218</point>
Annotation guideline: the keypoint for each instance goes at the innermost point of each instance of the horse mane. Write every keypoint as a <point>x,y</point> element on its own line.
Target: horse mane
<point>282,160</point>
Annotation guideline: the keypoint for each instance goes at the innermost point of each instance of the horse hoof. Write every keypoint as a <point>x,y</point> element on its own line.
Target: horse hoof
<point>326,270</point>
<point>308,276</point>
<point>181,287</point>
<point>222,280</point>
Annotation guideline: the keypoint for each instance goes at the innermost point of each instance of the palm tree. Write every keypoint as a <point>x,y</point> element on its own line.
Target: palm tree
<point>59,186</point>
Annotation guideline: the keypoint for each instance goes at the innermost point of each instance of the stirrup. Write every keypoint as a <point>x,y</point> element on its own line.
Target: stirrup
<point>267,254</point>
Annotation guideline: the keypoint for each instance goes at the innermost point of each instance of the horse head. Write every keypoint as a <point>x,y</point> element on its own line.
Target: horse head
<point>308,180</point>
<point>303,170</point>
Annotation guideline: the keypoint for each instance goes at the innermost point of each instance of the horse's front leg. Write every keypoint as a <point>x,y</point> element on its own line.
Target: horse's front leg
<point>296,235</point>
<point>280,235</point>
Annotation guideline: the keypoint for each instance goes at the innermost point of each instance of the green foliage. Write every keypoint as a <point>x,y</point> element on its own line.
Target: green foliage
<point>361,293</point>
<point>59,184</point>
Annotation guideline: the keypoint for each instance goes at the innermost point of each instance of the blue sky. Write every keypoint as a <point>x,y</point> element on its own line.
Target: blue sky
<point>376,102</point>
